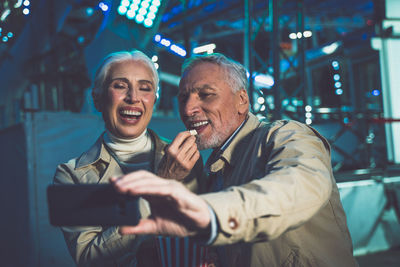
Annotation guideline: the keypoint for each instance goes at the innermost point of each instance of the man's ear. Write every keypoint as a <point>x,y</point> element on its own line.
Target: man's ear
<point>243,106</point>
<point>97,101</point>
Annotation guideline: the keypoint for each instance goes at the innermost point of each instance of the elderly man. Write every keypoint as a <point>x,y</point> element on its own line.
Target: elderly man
<point>270,197</point>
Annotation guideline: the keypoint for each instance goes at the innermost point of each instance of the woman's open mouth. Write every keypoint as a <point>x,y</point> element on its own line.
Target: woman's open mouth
<point>130,115</point>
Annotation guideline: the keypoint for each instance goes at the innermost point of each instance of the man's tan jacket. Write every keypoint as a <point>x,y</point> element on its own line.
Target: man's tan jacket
<point>280,205</point>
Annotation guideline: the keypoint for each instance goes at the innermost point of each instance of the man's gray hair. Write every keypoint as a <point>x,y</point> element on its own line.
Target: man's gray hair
<point>102,74</point>
<point>236,72</point>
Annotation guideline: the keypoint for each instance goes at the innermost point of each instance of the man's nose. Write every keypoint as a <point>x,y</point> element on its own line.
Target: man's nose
<point>191,106</point>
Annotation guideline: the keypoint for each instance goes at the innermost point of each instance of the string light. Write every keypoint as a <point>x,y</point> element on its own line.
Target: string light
<point>336,78</point>
<point>174,48</point>
<point>308,114</point>
<point>141,11</point>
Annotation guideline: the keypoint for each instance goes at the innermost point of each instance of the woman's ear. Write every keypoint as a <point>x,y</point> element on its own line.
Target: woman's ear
<point>97,101</point>
<point>243,105</point>
<point>156,94</point>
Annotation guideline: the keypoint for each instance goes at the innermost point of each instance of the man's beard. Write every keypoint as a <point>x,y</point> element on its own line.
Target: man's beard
<point>217,138</point>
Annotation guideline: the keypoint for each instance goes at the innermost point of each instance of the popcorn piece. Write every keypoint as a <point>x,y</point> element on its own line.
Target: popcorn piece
<point>193,132</point>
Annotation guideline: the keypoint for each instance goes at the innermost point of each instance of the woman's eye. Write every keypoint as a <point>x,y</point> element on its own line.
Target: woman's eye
<point>120,85</point>
<point>145,88</point>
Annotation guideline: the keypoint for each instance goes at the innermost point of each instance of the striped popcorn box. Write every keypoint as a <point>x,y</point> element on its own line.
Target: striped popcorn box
<point>181,252</point>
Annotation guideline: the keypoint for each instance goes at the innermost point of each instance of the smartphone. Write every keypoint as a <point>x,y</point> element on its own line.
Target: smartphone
<point>90,205</point>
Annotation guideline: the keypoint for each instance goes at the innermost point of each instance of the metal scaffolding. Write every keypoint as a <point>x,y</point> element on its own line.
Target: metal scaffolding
<point>282,105</point>
<point>355,140</point>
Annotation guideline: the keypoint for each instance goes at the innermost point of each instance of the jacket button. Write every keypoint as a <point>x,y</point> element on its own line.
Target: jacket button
<point>233,223</point>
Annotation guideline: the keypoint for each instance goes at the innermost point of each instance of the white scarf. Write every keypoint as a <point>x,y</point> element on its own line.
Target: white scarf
<point>135,150</point>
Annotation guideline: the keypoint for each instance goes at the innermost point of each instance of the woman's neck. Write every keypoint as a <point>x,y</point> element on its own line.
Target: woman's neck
<point>128,149</point>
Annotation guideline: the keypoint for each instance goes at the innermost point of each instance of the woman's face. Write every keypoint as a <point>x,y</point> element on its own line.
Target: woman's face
<point>128,99</point>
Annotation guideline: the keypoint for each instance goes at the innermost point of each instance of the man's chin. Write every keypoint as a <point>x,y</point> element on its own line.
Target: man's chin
<point>210,143</point>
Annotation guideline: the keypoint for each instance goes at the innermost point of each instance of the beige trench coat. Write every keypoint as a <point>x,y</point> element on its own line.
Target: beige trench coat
<point>98,246</point>
<point>280,205</point>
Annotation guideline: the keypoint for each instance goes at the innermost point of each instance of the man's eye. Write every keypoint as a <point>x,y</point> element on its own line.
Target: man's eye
<point>182,97</point>
<point>205,95</point>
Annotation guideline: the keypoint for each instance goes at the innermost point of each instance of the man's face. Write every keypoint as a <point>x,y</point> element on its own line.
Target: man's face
<point>129,99</point>
<point>208,104</point>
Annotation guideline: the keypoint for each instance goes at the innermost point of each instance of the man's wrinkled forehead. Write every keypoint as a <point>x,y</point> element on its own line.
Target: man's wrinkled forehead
<point>195,78</point>
<point>186,84</point>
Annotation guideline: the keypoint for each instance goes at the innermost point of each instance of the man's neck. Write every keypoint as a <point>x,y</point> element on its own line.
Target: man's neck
<point>230,138</point>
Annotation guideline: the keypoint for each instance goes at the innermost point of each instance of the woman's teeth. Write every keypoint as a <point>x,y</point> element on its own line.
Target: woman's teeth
<point>130,112</point>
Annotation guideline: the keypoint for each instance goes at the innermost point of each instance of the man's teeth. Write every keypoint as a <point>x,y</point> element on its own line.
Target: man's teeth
<point>131,112</point>
<point>198,124</point>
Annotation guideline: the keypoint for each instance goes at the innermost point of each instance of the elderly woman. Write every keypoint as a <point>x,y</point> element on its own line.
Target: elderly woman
<point>125,92</point>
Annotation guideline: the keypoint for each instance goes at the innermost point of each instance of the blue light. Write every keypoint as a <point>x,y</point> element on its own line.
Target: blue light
<point>178,50</point>
<point>10,34</point>
<point>130,14</point>
<point>148,23</point>
<point>336,77</point>
<point>81,39</point>
<point>125,3</point>
<point>157,38</point>
<point>339,91</point>
<point>364,36</point>
<point>139,18</point>
<point>335,65</point>
<point>122,10</point>
<point>103,6</point>
<point>145,11</point>
<point>376,92</point>
<point>153,9</point>
<point>151,15</point>
<point>142,11</point>
<point>89,11</point>
<point>346,120</point>
<point>145,4</point>
<point>338,84</point>
<point>18,4</point>
<point>134,7</point>
<point>165,42</point>
<point>5,39</point>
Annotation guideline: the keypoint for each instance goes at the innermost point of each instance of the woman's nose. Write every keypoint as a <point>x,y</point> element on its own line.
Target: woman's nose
<point>131,95</point>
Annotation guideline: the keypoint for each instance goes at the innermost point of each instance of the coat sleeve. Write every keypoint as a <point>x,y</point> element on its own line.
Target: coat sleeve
<point>94,246</point>
<point>296,184</point>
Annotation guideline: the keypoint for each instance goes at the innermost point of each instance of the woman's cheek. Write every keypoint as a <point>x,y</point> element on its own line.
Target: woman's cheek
<point>150,99</point>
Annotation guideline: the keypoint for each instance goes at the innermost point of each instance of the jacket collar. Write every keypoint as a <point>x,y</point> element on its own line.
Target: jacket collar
<point>227,155</point>
<point>99,152</point>
<point>95,153</point>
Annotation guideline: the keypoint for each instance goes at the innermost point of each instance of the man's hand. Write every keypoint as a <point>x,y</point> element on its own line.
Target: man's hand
<point>174,209</point>
<point>180,157</point>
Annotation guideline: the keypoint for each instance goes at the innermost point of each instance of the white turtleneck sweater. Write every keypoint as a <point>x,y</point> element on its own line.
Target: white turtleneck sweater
<point>131,154</point>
